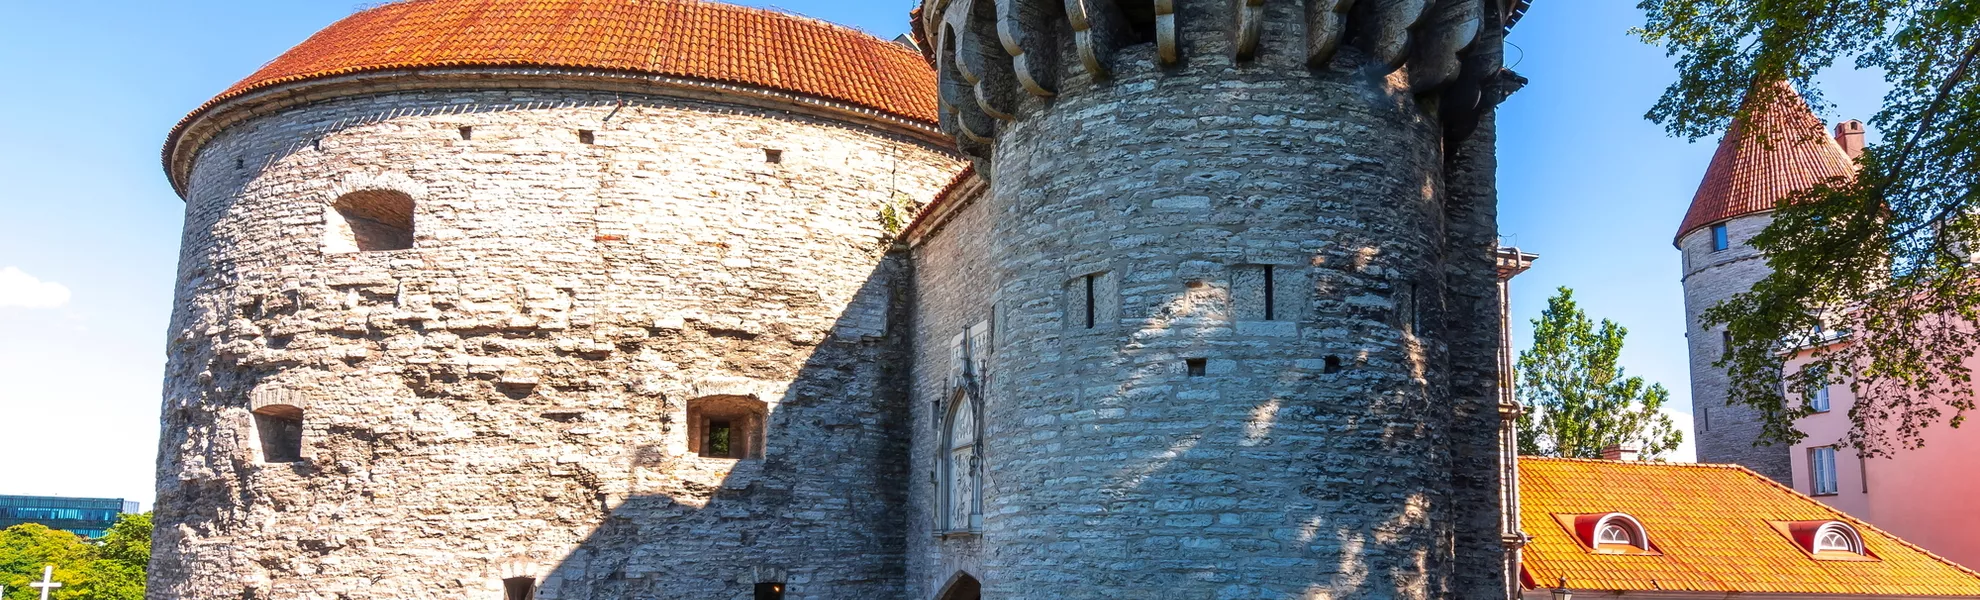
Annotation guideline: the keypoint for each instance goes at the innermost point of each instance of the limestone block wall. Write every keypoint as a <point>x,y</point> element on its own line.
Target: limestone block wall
<point>1725,433</point>
<point>1150,430</point>
<point>954,290</point>
<point>510,398</point>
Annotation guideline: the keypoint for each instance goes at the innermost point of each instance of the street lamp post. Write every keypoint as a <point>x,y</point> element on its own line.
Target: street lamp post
<point>1562,592</point>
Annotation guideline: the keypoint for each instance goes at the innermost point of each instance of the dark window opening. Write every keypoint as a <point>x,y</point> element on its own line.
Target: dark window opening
<point>519,588</point>
<point>467,133</point>
<point>727,427</point>
<point>1726,343</point>
<point>281,430</point>
<point>773,156</point>
<point>376,220</point>
<point>1271,313</point>
<point>585,136</point>
<point>1333,365</point>
<point>1704,419</point>
<point>770,591</point>
<point>1092,309</point>
<point>718,440</point>
<point>1197,367</point>
<point>240,163</point>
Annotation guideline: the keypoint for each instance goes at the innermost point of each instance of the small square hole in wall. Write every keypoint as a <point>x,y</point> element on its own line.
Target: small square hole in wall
<point>773,156</point>
<point>586,136</point>
<point>240,163</point>
<point>467,133</point>
<point>1333,365</point>
<point>1197,367</point>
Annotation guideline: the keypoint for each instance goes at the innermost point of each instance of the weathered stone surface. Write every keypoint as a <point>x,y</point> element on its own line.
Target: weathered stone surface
<point>508,398</point>
<point>1184,446</point>
<point>1725,433</point>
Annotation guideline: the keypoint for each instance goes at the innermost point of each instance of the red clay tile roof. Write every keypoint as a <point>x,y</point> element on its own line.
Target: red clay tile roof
<point>1714,526</point>
<point>1752,174</point>
<point>679,38</point>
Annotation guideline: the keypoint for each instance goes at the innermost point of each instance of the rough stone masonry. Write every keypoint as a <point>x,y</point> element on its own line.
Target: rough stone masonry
<point>1214,318</point>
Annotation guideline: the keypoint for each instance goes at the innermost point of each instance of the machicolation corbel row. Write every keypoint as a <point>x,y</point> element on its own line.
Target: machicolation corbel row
<point>991,53</point>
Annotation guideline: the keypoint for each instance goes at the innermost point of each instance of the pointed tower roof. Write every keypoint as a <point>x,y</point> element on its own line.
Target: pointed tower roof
<point>1752,173</point>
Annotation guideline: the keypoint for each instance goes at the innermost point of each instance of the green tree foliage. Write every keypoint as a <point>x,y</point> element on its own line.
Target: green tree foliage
<point>112,569</point>
<point>1884,257</point>
<point>1576,397</point>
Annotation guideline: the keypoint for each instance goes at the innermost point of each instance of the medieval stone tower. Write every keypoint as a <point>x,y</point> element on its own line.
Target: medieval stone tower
<point>573,298</point>
<point>1223,317</point>
<point>631,299</point>
<point>1754,169</point>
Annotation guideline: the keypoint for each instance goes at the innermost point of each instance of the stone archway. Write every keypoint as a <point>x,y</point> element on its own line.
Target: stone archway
<point>963,587</point>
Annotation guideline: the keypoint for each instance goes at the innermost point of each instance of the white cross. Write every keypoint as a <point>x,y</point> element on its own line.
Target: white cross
<point>47,581</point>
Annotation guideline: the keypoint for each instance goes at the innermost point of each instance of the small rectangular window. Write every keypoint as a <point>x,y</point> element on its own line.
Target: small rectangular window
<point>1720,239</point>
<point>1725,343</point>
<point>1822,471</point>
<point>1091,301</point>
<point>467,133</point>
<point>1704,419</point>
<point>519,588</point>
<point>770,591</point>
<point>586,136</point>
<point>1197,367</point>
<point>773,156</point>
<point>281,431</point>
<point>1819,400</point>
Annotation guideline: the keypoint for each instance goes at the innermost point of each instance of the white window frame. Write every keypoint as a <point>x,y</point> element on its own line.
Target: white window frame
<point>1637,536</point>
<point>1852,542</point>
<point>1822,471</point>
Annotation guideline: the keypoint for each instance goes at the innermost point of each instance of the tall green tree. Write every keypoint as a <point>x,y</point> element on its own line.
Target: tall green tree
<point>1577,399</point>
<point>111,569</point>
<point>1885,256</point>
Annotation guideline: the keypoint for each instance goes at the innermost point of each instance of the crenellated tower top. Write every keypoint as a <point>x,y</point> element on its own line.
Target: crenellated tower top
<point>989,54</point>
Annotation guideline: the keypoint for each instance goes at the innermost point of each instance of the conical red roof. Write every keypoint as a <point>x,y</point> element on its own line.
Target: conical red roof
<point>1753,173</point>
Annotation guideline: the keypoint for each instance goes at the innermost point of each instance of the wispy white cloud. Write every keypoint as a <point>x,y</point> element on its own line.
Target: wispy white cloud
<point>21,290</point>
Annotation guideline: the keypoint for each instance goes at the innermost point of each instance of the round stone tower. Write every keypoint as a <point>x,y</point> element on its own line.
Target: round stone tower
<point>545,299</point>
<point>1754,169</point>
<point>1245,308</point>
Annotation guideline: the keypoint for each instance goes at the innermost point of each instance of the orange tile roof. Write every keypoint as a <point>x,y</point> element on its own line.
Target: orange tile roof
<point>679,38</point>
<point>1753,173</point>
<point>1714,527</point>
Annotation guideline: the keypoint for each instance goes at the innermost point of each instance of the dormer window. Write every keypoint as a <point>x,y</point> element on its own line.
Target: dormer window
<point>1828,540</point>
<point>1612,533</point>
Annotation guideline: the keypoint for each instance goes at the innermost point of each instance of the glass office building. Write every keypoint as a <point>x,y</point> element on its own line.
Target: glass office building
<point>88,517</point>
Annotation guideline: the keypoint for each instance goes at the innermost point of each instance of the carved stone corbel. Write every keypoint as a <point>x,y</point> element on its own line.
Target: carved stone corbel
<point>1021,26</point>
<point>1450,29</point>
<point>1250,26</point>
<point>1168,43</point>
<point>1385,27</point>
<point>1098,29</point>
<point>1326,24</point>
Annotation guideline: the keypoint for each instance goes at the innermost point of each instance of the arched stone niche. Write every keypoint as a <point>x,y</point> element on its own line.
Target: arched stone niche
<point>371,213</point>
<point>727,426</point>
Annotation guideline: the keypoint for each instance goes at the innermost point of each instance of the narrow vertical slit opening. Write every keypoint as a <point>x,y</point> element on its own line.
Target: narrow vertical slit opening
<point>1271,298</point>
<point>1092,309</point>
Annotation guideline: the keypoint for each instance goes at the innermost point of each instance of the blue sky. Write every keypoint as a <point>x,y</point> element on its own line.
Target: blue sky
<point>89,228</point>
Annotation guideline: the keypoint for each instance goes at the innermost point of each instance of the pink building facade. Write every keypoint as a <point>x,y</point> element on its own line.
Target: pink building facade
<point>1926,496</point>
